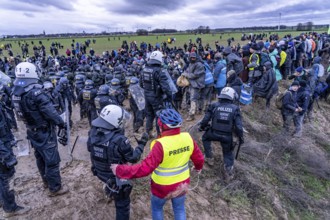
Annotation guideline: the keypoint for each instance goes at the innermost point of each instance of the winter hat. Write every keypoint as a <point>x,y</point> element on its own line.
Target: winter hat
<point>303,83</point>
<point>299,69</point>
<point>255,46</point>
<point>317,60</point>
<point>230,72</point>
<point>227,51</point>
<point>295,83</point>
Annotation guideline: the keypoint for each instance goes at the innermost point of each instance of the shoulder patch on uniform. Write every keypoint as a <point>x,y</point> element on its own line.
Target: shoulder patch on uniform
<point>38,92</point>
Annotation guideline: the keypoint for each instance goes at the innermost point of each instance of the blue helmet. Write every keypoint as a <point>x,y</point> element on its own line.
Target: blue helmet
<point>170,117</point>
<point>63,80</point>
<point>134,80</point>
<point>89,84</point>
<point>103,90</point>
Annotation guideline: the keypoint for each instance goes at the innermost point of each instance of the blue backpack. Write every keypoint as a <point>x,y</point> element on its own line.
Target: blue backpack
<point>320,89</point>
<point>246,94</point>
<point>208,74</point>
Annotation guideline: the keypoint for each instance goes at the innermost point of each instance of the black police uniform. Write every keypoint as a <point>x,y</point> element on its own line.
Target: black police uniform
<point>79,82</point>
<point>154,82</point>
<point>112,147</point>
<point>5,93</point>
<point>103,100</point>
<point>7,163</point>
<point>86,100</point>
<point>225,118</point>
<point>34,107</point>
<point>56,99</point>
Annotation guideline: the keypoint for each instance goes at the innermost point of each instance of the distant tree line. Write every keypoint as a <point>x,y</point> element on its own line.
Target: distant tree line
<point>305,26</point>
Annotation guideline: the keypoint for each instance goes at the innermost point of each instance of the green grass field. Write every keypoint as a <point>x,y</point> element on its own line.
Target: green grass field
<point>114,42</point>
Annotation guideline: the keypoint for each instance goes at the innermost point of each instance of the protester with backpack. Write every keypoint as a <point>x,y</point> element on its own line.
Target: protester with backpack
<point>290,106</point>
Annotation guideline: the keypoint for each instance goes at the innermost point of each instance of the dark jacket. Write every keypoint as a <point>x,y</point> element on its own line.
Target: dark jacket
<point>236,83</point>
<point>196,75</point>
<point>110,147</point>
<point>267,86</point>
<point>234,62</point>
<point>234,116</point>
<point>289,103</point>
<point>35,107</point>
<point>303,98</point>
<point>159,79</point>
<point>7,157</point>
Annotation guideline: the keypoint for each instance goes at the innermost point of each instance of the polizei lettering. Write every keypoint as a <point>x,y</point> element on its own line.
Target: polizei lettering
<point>224,109</point>
<point>179,151</point>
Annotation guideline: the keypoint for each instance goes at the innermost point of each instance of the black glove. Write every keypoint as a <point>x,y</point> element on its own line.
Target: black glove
<point>62,136</point>
<point>201,128</point>
<point>241,140</point>
<point>62,126</point>
<point>144,139</point>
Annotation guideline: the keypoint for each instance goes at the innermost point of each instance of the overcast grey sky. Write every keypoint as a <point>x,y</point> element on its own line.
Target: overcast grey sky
<point>61,16</point>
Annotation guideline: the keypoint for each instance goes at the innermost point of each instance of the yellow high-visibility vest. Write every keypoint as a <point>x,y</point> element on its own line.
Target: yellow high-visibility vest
<point>258,61</point>
<point>177,151</point>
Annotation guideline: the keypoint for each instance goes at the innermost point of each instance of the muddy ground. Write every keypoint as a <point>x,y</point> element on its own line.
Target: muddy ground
<point>276,176</point>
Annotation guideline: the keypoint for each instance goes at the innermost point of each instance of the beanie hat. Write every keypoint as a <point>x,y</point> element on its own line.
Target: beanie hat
<point>230,72</point>
<point>295,83</point>
<point>255,46</point>
<point>299,69</point>
<point>227,51</point>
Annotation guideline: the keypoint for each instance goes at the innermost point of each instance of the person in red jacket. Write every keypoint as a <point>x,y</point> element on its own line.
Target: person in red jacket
<point>168,162</point>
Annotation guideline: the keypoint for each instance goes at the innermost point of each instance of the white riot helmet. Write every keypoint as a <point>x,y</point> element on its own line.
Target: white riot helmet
<point>157,56</point>
<point>227,93</point>
<point>111,117</point>
<point>26,73</point>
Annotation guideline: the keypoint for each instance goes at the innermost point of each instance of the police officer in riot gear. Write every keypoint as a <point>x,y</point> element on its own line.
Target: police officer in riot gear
<point>156,89</point>
<point>225,118</point>
<point>98,76</point>
<point>7,167</point>
<point>5,98</point>
<point>79,82</point>
<point>103,99</point>
<point>66,91</point>
<point>116,92</point>
<point>86,100</point>
<point>54,96</point>
<point>34,107</point>
<point>108,145</point>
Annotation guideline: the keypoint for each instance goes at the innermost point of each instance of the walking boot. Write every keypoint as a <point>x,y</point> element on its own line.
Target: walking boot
<point>64,189</point>
<point>18,211</point>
